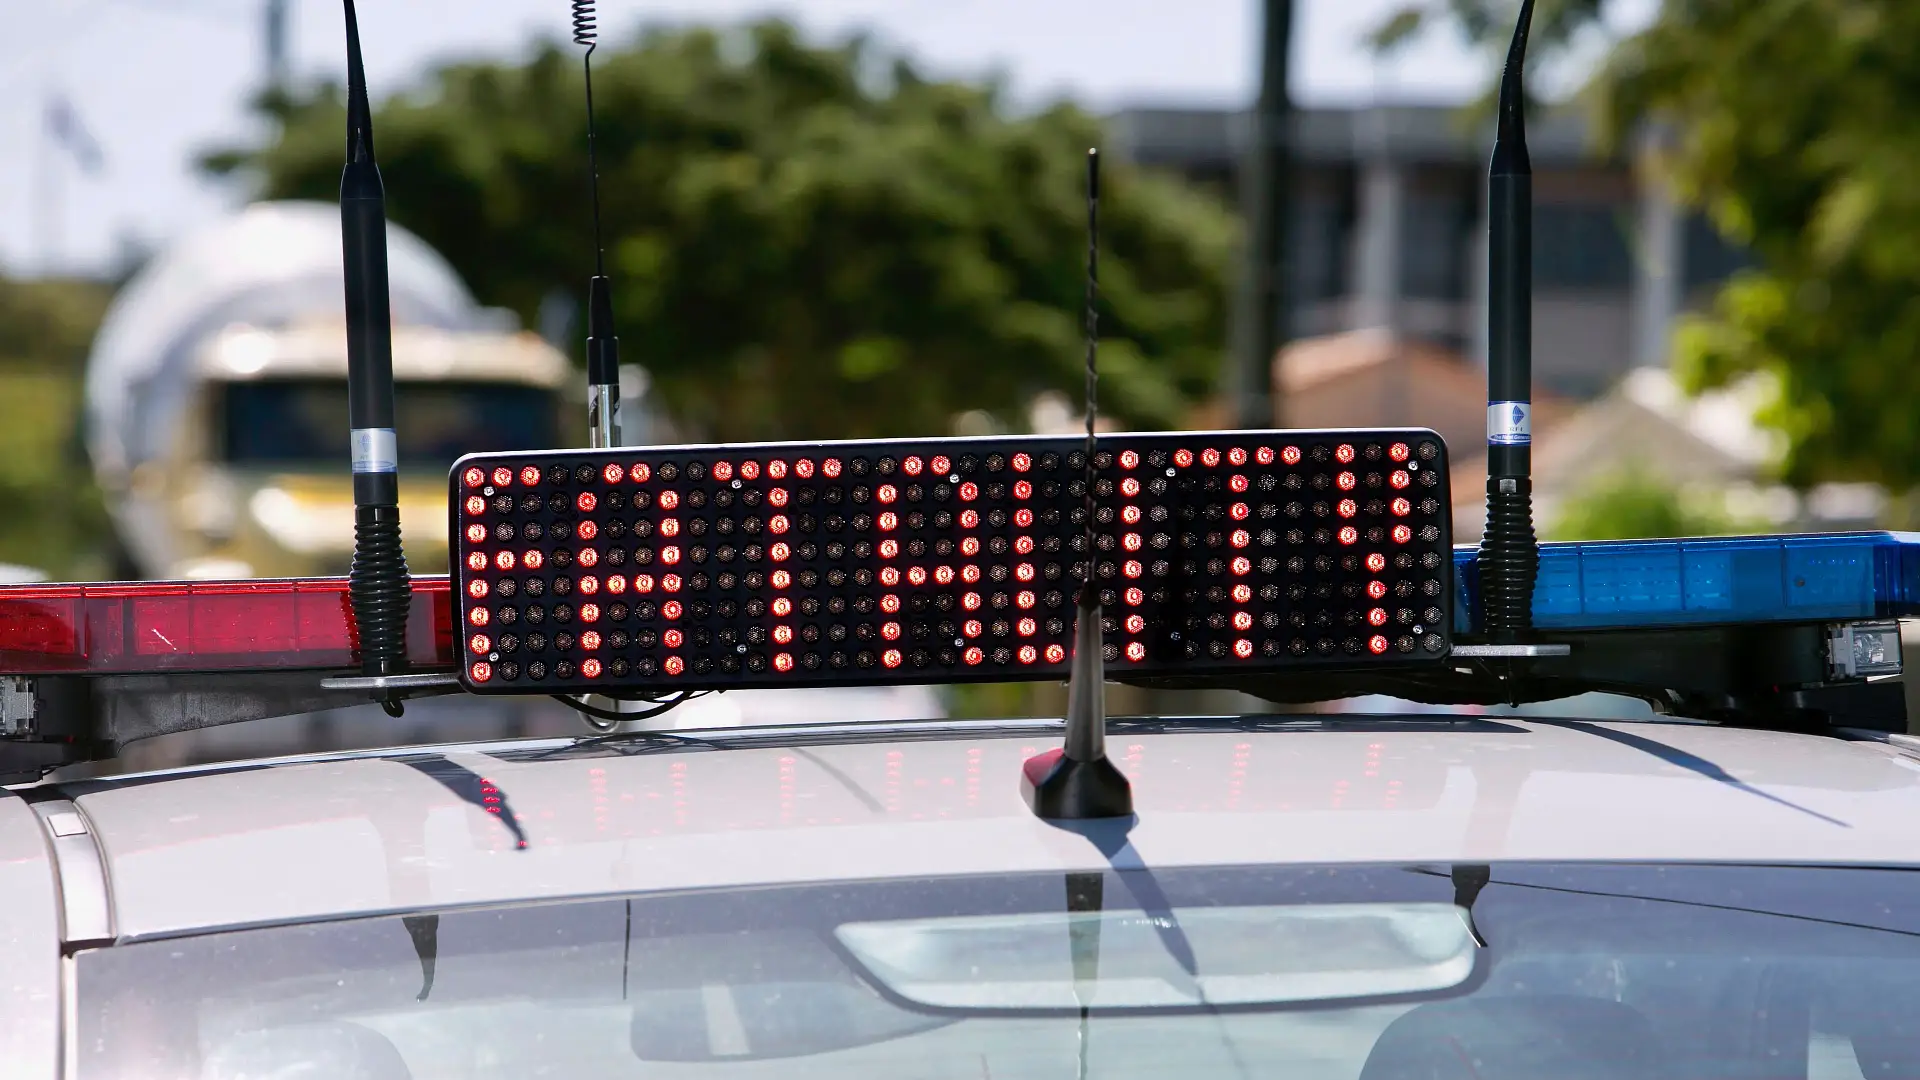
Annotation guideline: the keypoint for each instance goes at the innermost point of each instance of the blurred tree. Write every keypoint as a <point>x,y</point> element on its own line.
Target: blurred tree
<point>1797,127</point>
<point>1636,503</point>
<point>804,241</point>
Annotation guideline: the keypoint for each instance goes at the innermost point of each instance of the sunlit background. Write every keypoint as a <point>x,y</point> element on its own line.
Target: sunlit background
<point>846,218</point>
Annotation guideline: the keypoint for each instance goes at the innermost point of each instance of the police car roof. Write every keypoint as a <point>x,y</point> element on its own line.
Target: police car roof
<point>345,835</point>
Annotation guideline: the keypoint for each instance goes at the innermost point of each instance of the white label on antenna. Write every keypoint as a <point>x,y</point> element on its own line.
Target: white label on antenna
<point>1509,423</point>
<point>375,450</point>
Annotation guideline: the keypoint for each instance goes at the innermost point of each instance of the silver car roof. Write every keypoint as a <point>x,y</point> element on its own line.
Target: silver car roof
<point>360,834</point>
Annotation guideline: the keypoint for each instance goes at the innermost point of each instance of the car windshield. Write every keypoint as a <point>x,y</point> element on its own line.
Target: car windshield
<point>1373,972</point>
<point>280,422</point>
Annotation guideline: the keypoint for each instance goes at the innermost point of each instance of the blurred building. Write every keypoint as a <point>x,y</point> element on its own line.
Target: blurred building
<point>1388,232</point>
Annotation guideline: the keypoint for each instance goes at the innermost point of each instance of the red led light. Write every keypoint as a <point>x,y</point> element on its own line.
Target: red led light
<point>1241,538</point>
<point>943,575</point>
<point>530,475</point>
<point>1136,623</point>
<point>749,470</point>
<point>1239,511</point>
<point>1025,600</point>
<point>1376,562</point>
<point>1183,458</point>
<point>890,631</point>
<point>616,584</point>
<point>1130,487</point>
<point>1376,589</point>
<point>1400,478</point>
<point>1242,565</point>
<point>783,662</point>
<point>889,521</point>
<point>1290,455</point>
<point>587,530</point>
<point>477,588</point>
<point>476,505</point>
<point>502,476</point>
<point>783,635</point>
<point>1242,593</point>
<point>531,559</point>
<point>778,524</point>
<point>1378,616</point>
<point>672,639</point>
<point>1023,545</point>
<point>890,549</point>
<point>891,658</point>
<point>481,671</point>
<point>1028,654</point>
<point>1343,453</point>
<point>1129,459</point>
<point>969,519</point>
<point>480,643</point>
<point>1402,507</point>
<point>639,474</point>
<point>1402,534</point>
<point>782,607</point>
<point>973,656</point>
<point>941,465</point>
<point>590,667</point>
<point>1132,568</point>
<point>970,546</point>
<point>1399,451</point>
<point>780,579</point>
<point>777,470</point>
<point>911,466</point>
<point>972,628</point>
<point>643,583</point>
<point>1136,651</point>
<point>1243,620</point>
<point>476,533</point>
<point>479,616</point>
<point>674,665</point>
<point>586,502</point>
<point>887,493</point>
<point>669,500</point>
<point>613,473</point>
<point>503,560</point>
<point>917,575</point>
<point>830,468</point>
<point>890,603</point>
<point>1022,462</point>
<point>777,497</point>
<point>1347,508</point>
<point>1022,489</point>
<point>722,471</point>
<point>1377,644</point>
<point>1346,481</point>
<point>1134,597</point>
<point>670,583</point>
<point>779,552</point>
<point>588,584</point>
<point>671,610</point>
<point>803,468</point>
<point>1236,456</point>
<point>477,560</point>
<point>1056,654</point>
<point>670,555</point>
<point>1243,648</point>
<point>1237,483</point>
<point>1264,455</point>
<point>475,477</point>
<point>970,573</point>
<point>1349,534</point>
<point>591,639</point>
<point>670,527</point>
<point>970,601</point>
<point>969,491</point>
<point>1024,572</point>
<point>1131,541</point>
<point>1209,457</point>
<point>1023,518</point>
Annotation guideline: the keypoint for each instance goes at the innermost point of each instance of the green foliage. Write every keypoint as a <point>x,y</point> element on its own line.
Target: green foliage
<point>1635,503</point>
<point>49,324</point>
<point>1797,127</point>
<point>798,248</point>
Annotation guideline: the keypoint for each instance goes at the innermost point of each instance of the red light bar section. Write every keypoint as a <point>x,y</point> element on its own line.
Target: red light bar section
<point>949,560</point>
<point>143,627</point>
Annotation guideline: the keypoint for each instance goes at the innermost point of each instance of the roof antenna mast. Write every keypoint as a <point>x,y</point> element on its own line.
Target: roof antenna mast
<point>1078,781</point>
<point>603,348</point>
<point>377,583</point>
<point>1509,552</point>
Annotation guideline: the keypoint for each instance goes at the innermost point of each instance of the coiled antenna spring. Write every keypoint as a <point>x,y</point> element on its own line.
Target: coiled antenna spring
<point>586,32</point>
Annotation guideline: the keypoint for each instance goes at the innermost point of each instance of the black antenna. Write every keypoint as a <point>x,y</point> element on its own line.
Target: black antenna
<point>1078,781</point>
<point>603,348</point>
<point>1509,552</point>
<point>378,582</point>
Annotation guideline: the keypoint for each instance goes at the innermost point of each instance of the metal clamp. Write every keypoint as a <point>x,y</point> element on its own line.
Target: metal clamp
<point>374,683</point>
<point>1494,652</point>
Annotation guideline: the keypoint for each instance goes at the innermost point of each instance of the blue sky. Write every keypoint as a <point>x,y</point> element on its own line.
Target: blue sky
<point>157,80</point>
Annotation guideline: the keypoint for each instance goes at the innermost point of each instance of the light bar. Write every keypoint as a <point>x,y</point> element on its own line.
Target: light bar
<point>127,628</point>
<point>947,560</point>
<point>1637,584</point>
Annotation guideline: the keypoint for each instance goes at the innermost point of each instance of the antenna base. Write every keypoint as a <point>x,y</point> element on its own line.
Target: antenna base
<point>1059,788</point>
<point>1509,559</point>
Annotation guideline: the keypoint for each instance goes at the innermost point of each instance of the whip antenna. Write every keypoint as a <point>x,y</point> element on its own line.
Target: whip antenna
<point>603,348</point>
<point>1078,781</point>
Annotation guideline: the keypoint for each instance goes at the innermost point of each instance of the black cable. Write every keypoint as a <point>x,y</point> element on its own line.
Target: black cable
<point>612,716</point>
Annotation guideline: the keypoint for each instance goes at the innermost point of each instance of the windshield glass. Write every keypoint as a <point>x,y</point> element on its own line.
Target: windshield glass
<point>1570,971</point>
<point>281,422</point>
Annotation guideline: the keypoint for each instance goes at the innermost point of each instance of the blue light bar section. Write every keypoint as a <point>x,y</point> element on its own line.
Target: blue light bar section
<point>1617,584</point>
